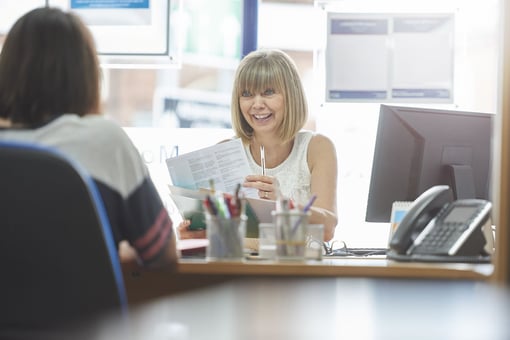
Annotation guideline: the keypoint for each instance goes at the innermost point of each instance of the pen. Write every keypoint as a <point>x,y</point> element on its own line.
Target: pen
<point>237,199</point>
<point>309,204</point>
<point>211,185</point>
<point>209,204</point>
<point>263,160</point>
<point>305,210</point>
<point>221,206</point>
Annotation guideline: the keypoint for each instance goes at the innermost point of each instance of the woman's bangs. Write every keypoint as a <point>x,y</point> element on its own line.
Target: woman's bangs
<point>257,80</point>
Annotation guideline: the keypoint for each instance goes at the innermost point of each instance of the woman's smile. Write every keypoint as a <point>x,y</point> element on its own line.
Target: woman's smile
<point>262,117</point>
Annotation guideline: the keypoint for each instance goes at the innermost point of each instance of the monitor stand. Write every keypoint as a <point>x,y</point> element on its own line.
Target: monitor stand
<point>462,181</point>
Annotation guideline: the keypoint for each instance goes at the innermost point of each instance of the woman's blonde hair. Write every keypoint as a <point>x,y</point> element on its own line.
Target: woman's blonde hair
<point>269,69</point>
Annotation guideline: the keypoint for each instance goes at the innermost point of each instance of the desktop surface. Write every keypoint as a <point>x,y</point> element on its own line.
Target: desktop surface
<point>329,308</point>
<point>144,285</point>
<point>369,266</point>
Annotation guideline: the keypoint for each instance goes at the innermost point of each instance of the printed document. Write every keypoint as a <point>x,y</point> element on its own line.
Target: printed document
<point>223,165</point>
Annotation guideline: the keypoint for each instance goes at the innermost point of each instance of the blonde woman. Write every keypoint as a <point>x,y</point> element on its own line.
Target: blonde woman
<point>269,111</point>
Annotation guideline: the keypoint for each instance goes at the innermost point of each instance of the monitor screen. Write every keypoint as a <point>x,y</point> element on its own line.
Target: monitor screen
<point>417,148</point>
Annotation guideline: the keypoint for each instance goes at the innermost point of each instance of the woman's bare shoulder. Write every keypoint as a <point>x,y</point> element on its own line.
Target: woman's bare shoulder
<point>320,141</point>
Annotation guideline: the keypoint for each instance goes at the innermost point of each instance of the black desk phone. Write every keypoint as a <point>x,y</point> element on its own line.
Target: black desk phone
<point>438,229</point>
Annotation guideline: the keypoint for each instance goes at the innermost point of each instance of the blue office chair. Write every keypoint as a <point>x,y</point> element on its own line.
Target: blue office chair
<point>59,265</point>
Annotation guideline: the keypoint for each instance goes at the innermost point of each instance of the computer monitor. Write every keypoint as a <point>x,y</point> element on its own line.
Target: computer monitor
<point>417,148</point>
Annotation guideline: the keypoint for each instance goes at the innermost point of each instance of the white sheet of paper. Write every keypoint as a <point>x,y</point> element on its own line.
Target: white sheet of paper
<point>225,163</point>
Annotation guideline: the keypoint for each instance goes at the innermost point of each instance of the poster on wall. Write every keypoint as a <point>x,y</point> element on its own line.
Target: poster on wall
<point>390,57</point>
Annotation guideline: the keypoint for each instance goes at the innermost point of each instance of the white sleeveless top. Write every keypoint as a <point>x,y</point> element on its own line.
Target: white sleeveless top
<point>293,173</point>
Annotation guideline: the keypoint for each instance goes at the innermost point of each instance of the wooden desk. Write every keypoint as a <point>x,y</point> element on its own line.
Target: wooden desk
<point>368,267</point>
<point>313,307</point>
<point>143,285</point>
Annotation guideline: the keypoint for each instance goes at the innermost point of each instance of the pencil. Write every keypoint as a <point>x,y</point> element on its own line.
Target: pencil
<point>263,160</point>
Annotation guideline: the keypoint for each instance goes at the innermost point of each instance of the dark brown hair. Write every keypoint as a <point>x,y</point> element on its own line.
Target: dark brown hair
<point>48,67</point>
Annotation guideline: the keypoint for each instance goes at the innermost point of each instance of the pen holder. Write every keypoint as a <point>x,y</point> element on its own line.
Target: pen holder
<point>226,238</point>
<point>290,235</point>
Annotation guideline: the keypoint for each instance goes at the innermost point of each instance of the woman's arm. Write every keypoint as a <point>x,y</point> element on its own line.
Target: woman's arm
<point>322,161</point>
<point>4,122</point>
<point>186,233</point>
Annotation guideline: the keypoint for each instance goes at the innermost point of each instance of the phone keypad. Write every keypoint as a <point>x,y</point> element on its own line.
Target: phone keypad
<point>439,240</point>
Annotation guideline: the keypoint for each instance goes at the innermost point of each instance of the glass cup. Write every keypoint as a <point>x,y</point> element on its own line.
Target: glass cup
<point>267,241</point>
<point>226,238</point>
<point>314,242</point>
<point>290,228</point>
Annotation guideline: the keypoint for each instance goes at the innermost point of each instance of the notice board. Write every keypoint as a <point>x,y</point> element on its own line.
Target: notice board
<point>389,57</point>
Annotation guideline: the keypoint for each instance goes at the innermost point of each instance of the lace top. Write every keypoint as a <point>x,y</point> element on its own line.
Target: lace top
<point>293,173</point>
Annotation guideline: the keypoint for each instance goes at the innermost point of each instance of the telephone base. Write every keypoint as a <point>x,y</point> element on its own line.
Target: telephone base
<point>438,258</point>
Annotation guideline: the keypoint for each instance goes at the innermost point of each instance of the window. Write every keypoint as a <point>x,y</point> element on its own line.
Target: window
<point>196,95</point>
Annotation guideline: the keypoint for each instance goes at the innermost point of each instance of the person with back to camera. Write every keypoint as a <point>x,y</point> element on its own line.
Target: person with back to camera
<point>269,110</point>
<point>50,95</point>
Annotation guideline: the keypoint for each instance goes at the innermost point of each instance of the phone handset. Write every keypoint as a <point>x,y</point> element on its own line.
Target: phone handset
<point>421,212</point>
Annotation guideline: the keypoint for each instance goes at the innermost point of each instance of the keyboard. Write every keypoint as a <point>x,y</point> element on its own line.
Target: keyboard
<point>358,252</point>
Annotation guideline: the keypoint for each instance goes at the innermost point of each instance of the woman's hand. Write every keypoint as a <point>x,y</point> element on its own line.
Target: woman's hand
<point>186,233</point>
<point>267,186</point>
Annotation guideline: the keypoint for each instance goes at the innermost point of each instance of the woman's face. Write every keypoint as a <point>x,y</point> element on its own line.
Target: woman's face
<point>263,111</point>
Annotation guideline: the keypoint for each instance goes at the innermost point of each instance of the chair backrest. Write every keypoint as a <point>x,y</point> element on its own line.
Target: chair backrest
<point>59,263</point>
